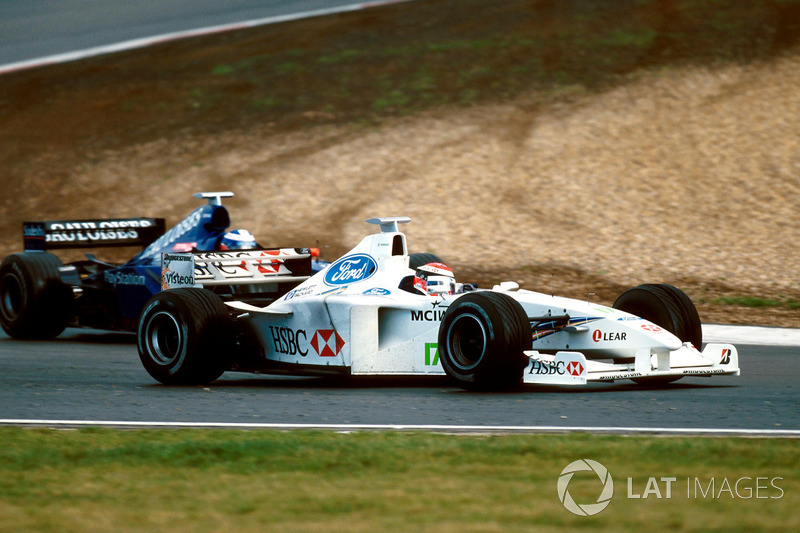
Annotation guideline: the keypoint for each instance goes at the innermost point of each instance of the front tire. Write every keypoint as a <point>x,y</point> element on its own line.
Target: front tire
<point>665,306</point>
<point>34,302</point>
<point>481,340</point>
<point>183,335</point>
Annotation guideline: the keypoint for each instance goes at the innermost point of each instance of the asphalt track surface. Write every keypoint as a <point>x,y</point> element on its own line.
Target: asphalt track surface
<point>36,32</point>
<point>92,376</point>
<point>86,377</point>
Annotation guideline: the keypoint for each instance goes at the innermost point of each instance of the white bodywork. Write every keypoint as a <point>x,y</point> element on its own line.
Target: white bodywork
<point>354,317</point>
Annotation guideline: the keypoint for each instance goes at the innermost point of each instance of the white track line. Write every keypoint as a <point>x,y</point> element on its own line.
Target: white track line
<point>158,39</point>
<point>793,433</point>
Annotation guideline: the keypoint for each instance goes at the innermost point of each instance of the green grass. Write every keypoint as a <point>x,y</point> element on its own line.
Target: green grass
<point>756,301</point>
<point>193,480</point>
<point>479,54</point>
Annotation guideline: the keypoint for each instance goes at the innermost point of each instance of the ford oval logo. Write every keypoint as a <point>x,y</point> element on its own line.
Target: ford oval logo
<point>350,269</point>
<point>377,291</point>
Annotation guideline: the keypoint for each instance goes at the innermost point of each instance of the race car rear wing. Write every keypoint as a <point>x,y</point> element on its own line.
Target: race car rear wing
<point>279,265</point>
<point>91,233</point>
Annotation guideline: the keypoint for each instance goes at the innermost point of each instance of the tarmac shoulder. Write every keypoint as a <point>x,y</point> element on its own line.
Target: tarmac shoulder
<point>758,335</point>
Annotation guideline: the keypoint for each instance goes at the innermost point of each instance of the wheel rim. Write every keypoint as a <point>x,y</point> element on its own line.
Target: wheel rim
<point>164,338</point>
<point>466,341</point>
<point>11,295</point>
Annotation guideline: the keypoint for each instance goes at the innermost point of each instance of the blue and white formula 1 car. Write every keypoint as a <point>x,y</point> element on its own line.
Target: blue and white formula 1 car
<point>40,296</point>
<point>368,313</point>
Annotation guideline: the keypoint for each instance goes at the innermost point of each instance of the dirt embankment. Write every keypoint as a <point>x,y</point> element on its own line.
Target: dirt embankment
<point>685,174</point>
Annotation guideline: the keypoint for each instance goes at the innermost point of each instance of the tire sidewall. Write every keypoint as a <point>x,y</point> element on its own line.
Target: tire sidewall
<point>175,370</point>
<point>501,361</point>
<point>43,303</point>
<point>467,310</point>
<point>13,278</point>
<point>666,306</point>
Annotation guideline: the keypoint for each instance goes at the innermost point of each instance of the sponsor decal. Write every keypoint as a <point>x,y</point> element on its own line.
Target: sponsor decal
<point>34,231</point>
<point>430,315</point>
<point>574,368</point>
<point>431,353</point>
<point>90,236</point>
<point>548,368</point>
<point>90,231</point>
<point>175,233</point>
<point>631,318</point>
<point>123,278</point>
<point>350,269</point>
<point>726,356</point>
<point>598,335</point>
<point>703,372</point>
<point>177,270</point>
<point>288,341</point>
<point>172,278</point>
<point>176,257</point>
<point>103,224</point>
<point>624,375</point>
<point>327,342</point>
<point>298,293</point>
<point>651,327</point>
<point>378,291</point>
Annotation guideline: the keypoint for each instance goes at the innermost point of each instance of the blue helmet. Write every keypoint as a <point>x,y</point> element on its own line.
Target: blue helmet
<point>238,239</point>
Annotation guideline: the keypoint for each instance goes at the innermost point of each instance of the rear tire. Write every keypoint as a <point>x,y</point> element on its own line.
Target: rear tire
<point>665,306</point>
<point>481,340</point>
<point>183,335</point>
<point>417,260</point>
<point>34,302</point>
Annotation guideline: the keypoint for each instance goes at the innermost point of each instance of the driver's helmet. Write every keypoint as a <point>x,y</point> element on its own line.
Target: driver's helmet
<point>435,279</point>
<point>238,239</point>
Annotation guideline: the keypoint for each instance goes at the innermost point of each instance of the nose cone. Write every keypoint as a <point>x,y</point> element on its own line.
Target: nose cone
<point>661,336</point>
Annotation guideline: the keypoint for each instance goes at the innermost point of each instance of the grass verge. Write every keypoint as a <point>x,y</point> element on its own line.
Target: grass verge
<point>756,301</point>
<point>192,480</point>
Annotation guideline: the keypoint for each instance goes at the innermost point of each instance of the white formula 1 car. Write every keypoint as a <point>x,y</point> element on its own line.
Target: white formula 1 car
<point>370,313</point>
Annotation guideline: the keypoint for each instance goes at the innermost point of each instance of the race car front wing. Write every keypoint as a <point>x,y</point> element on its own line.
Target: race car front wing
<point>572,368</point>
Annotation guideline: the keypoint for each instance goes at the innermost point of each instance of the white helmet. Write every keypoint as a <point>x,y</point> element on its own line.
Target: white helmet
<point>435,279</point>
<point>238,239</point>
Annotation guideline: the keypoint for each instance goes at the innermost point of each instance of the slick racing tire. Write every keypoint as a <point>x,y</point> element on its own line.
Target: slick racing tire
<point>417,260</point>
<point>481,341</point>
<point>183,335</point>
<point>668,307</point>
<point>34,302</point>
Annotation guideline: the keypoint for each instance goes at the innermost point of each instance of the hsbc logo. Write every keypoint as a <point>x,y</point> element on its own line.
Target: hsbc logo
<point>651,327</point>
<point>327,342</point>
<point>545,368</point>
<point>574,368</point>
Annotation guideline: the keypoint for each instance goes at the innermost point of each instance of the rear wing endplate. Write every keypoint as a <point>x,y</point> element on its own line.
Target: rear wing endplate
<point>91,233</point>
<point>200,269</point>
